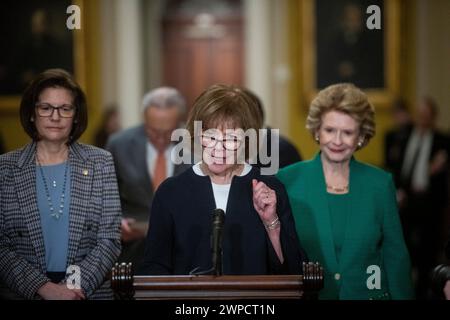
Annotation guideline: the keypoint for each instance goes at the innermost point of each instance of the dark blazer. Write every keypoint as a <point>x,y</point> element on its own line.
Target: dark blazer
<point>94,222</point>
<point>373,233</point>
<point>287,153</point>
<point>447,248</point>
<point>129,150</point>
<point>179,236</point>
<point>395,142</point>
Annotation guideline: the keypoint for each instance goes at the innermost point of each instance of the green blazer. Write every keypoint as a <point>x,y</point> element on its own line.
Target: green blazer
<point>373,235</point>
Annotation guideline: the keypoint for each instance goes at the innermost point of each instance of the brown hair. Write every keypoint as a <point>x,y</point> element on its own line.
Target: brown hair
<point>53,78</point>
<point>225,104</point>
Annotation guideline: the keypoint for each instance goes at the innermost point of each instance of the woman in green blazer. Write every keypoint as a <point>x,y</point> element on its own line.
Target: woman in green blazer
<point>345,211</point>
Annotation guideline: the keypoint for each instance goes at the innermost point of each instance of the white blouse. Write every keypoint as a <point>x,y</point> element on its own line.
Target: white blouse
<point>221,191</point>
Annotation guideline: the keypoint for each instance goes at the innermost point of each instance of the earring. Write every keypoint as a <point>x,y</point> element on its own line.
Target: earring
<point>317,139</point>
<point>360,143</point>
<point>32,119</point>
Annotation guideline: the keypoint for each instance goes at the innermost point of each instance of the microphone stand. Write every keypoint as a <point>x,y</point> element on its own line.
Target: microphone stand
<point>216,245</point>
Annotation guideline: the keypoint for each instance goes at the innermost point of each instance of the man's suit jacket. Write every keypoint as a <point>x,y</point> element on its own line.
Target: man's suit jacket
<point>94,222</point>
<point>373,232</point>
<point>395,142</point>
<point>129,150</point>
<point>447,248</point>
<point>438,183</point>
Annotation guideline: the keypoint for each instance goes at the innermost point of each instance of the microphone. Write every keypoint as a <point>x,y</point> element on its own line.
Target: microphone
<point>216,241</point>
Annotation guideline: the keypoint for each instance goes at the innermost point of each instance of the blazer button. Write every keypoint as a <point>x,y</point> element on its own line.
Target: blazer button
<point>19,233</point>
<point>337,276</point>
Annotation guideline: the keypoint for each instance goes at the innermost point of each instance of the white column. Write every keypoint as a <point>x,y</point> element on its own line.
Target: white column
<point>257,35</point>
<point>129,50</point>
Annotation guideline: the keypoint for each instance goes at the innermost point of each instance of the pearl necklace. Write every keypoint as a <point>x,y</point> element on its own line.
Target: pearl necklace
<point>54,213</point>
<point>338,189</point>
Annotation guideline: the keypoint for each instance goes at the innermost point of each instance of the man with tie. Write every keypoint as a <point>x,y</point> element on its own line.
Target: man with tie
<point>423,192</point>
<point>142,157</point>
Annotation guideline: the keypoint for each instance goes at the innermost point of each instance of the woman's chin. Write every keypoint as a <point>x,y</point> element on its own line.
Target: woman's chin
<point>218,167</point>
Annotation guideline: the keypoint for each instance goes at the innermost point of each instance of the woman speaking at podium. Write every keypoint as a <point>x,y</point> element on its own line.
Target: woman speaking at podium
<point>258,235</point>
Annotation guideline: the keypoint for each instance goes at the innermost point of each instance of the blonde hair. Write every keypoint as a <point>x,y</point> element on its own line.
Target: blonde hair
<point>346,98</point>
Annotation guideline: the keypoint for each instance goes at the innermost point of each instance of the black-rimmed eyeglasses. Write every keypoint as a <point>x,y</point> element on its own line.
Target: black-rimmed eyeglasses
<point>46,110</point>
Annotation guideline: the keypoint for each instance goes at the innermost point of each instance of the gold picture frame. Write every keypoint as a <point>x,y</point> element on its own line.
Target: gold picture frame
<point>382,96</point>
<point>11,102</point>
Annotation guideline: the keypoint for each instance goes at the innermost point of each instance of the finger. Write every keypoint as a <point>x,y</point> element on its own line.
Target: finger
<point>80,294</point>
<point>268,201</point>
<point>125,226</point>
<point>254,182</point>
<point>131,221</point>
<point>259,185</point>
<point>258,204</point>
<point>265,193</point>
<point>260,193</point>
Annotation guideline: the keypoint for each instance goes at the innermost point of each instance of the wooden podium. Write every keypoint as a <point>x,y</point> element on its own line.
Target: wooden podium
<point>127,286</point>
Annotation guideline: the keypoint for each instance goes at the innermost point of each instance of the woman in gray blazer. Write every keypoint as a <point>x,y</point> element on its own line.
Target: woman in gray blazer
<point>59,203</point>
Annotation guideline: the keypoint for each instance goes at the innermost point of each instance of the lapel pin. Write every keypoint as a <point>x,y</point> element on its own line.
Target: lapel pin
<point>85,172</point>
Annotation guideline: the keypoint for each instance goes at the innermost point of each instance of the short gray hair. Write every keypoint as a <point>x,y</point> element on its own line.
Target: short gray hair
<point>164,97</point>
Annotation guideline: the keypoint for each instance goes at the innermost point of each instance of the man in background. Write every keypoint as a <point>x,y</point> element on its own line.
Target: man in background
<point>142,157</point>
<point>422,193</point>
<point>396,138</point>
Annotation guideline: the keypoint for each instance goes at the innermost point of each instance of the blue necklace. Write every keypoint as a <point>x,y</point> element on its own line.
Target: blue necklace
<point>56,214</point>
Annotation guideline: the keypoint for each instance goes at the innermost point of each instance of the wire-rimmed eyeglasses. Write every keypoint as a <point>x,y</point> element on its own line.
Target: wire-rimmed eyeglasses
<point>229,143</point>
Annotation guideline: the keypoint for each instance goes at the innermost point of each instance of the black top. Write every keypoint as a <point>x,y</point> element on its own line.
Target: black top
<point>178,240</point>
<point>447,248</point>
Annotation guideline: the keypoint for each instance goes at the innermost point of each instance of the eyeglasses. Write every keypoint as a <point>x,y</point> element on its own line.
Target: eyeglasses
<point>64,111</point>
<point>231,144</point>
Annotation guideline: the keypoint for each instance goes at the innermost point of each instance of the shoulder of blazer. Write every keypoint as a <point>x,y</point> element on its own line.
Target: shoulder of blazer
<point>9,162</point>
<point>126,135</point>
<point>88,152</point>
<point>291,173</point>
<point>12,157</point>
<point>367,173</point>
<point>20,157</point>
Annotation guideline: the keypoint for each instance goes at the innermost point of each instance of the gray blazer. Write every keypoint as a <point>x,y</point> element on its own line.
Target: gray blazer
<point>94,222</point>
<point>129,150</point>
